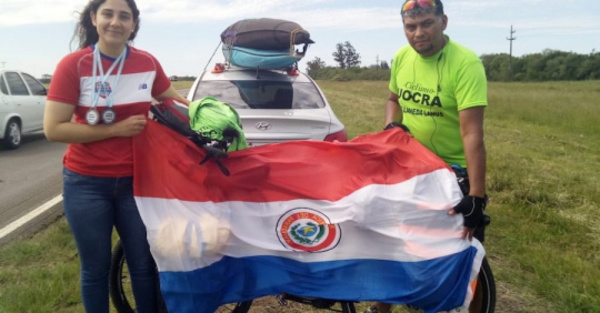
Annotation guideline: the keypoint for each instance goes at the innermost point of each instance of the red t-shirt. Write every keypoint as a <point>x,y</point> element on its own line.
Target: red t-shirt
<point>142,78</point>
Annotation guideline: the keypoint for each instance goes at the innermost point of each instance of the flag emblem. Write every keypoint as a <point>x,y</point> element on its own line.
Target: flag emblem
<point>306,229</point>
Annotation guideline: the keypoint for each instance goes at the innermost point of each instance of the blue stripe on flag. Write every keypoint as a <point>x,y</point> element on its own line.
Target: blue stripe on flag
<point>433,285</point>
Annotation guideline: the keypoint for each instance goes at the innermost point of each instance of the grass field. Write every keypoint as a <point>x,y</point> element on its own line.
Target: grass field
<point>543,143</point>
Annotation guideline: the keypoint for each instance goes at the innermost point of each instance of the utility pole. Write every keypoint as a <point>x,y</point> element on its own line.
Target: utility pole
<point>511,38</point>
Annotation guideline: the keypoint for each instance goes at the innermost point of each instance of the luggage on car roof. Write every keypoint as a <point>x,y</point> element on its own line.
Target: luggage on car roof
<point>262,59</point>
<point>265,34</point>
<point>264,43</point>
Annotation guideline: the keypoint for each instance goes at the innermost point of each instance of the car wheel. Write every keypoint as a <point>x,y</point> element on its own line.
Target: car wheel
<point>12,134</point>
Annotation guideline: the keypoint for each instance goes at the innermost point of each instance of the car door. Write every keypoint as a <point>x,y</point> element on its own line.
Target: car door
<point>24,105</point>
<point>37,98</point>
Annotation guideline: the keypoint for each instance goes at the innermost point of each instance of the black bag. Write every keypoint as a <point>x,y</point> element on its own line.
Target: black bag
<point>265,34</point>
<point>173,115</point>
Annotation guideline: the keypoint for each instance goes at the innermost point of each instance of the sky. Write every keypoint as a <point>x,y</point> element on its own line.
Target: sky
<point>185,34</point>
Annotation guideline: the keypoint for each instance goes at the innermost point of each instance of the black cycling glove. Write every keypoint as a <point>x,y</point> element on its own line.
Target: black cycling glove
<point>472,209</point>
<point>396,124</point>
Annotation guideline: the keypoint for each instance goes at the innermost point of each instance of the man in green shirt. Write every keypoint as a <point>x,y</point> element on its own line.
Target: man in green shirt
<point>438,90</point>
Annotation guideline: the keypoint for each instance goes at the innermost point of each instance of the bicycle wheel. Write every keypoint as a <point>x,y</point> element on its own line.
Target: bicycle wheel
<point>487,284</point>
<point>119,285</point>
<point>118,282</point>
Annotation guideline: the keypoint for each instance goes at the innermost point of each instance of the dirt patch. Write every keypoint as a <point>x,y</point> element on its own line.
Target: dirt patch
<point>508,301</point>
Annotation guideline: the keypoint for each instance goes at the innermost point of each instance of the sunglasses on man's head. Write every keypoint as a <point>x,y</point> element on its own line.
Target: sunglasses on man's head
<point>412,4</point>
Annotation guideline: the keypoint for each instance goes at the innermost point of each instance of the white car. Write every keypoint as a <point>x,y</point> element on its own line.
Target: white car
<point>22,101</point>
<point>274,105</point>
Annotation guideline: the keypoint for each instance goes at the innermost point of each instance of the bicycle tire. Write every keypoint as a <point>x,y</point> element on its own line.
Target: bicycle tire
<point>118,294</point>
<point>487,282</point>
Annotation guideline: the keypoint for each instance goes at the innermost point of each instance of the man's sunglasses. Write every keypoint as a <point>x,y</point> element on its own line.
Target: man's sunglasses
<point>411,4</point>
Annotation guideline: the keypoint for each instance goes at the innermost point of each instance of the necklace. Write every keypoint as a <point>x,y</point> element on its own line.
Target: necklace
<point>103,88</point>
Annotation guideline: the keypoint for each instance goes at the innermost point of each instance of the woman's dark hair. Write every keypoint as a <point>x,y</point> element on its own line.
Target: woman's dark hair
<point>86,31</point>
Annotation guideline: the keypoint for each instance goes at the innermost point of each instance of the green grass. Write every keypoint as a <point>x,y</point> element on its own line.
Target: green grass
<point>40,274</point>
<point>182,84</point>
<point>543,143</point>
<point>544,171</point>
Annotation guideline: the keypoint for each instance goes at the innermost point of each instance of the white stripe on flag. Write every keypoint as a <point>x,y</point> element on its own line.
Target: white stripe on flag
<point>187,235</point>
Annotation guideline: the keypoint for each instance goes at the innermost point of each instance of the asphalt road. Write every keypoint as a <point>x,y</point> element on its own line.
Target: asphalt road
<point>30,178</point>
<point>31,186</point>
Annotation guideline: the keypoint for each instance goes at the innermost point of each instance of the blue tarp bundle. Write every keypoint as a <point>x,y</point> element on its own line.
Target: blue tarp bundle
<point>263,59</point>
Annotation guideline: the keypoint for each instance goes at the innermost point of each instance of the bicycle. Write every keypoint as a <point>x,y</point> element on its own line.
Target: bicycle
<point>122,298</point>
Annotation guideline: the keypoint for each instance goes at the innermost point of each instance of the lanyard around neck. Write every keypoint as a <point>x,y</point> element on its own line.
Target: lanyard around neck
<point>97,68</point>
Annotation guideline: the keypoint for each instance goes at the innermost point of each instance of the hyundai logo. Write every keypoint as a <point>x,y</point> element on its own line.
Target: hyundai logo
<point>263,126</point>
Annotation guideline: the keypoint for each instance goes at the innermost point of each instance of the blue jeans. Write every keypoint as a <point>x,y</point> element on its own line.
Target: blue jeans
<point>93,205</point>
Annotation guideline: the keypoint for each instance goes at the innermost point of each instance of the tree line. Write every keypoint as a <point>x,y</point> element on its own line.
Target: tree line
<point>549,65</point>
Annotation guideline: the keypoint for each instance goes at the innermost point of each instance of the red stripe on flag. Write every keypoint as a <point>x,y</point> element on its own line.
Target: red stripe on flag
<point>166,165</point>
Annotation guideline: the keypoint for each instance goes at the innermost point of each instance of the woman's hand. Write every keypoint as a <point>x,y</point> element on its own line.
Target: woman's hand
<point>130,126</point>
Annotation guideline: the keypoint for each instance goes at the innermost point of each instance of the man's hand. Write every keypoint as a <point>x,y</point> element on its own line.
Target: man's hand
<point>472,210</point>
<point>396,124</point>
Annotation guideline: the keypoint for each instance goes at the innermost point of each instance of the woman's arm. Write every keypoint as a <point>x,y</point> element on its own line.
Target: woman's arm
<point>58,126</point>
<point>172,93</point>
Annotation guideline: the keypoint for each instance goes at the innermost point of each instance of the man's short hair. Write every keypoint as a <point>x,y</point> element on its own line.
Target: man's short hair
<point>437,10</point>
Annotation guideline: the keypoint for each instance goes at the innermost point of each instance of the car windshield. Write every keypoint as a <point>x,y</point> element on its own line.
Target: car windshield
<point>261,94</point>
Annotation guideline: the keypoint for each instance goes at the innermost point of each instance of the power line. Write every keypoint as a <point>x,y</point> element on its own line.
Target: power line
<point>511,39</point>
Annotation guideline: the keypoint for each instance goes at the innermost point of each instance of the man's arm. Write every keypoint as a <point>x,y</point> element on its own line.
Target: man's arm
<point>472,206</point>
<point>471,130</point>
<point>393,112</point>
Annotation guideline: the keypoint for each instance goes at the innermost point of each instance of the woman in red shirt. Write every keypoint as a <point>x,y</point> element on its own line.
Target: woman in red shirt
<point>98,100</point>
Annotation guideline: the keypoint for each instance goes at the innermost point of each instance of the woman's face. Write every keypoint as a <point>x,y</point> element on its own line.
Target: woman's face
<point>114,23</point>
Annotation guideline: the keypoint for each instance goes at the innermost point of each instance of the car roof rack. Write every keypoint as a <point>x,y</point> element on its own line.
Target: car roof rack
<point>221,67</point>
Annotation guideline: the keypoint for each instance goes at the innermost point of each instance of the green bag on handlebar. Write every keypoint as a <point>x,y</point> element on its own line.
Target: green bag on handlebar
<point>217,120</point>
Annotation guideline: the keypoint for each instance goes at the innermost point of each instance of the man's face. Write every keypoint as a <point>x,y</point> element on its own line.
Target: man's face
<point>425,32</point>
